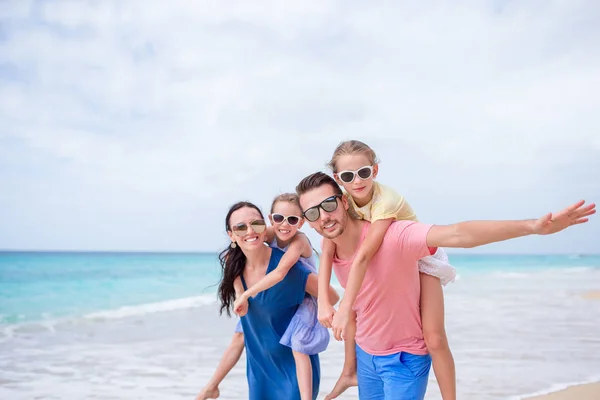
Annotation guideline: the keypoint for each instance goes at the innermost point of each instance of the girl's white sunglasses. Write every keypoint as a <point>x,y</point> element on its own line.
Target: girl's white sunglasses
<point>349,176</point>
<point>291,219</point>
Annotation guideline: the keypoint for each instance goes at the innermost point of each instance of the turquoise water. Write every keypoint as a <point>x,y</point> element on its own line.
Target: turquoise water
<point>143,325</point>
<point>40,286</point>
<point>52,285</point>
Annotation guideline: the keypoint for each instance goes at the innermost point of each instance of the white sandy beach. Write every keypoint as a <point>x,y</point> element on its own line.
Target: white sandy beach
<point>589,391</point>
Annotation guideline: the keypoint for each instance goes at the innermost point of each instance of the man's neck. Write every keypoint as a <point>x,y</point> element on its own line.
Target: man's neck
<point>347,243</point>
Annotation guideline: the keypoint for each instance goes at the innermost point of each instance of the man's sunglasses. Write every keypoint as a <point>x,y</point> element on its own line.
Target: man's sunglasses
<point>258,226</point>
<point>291,219</point>
<point>330,204</point>
<point>349,176</point>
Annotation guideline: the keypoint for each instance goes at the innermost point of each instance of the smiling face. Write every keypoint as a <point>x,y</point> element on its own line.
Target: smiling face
<point>244,225</point>
<point>360,189</point>
<point>291,212</point>
<point>329,224</point>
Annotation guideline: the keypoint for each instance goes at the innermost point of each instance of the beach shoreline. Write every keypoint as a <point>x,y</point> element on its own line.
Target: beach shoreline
<point>153,330</point>
<point>584,391</point>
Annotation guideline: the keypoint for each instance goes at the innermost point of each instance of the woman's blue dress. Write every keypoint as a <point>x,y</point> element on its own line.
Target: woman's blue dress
<point>270,366</point>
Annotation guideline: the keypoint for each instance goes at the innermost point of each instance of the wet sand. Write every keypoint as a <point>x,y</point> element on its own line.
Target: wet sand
<point>589,391</point>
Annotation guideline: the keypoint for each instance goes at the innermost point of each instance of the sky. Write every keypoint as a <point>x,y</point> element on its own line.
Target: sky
<point>134,125</point>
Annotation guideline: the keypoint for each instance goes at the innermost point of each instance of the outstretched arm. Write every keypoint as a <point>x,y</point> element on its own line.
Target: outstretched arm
<point>357,273</point>
<point>477,233</point>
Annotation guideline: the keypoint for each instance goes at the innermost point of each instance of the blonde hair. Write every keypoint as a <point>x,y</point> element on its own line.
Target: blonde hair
<point>288,198</point>
<point>352,147</point>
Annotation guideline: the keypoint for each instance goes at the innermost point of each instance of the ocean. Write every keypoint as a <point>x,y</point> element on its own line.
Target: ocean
<point>146,325</point>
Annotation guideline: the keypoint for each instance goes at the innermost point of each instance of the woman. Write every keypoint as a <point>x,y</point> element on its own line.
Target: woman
<point>270,369</point>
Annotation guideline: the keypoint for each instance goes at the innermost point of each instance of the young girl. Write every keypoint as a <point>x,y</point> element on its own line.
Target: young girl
<point>305,335</point>
<point>355,167</point>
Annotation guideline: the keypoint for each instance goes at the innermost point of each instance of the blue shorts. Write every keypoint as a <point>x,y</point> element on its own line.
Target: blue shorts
<point>399,376</point>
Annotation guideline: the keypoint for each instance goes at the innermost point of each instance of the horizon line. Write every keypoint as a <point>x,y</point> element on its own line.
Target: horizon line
<point>89,251</point>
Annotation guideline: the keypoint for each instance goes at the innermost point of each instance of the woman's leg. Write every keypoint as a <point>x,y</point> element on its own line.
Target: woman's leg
<point>230,358</point>
<point>304,374</point>
<point>432,317</point>
<point>348,376</point>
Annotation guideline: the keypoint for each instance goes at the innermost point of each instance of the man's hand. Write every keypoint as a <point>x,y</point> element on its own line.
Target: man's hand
<point>340,322</point>
<point>325,314</point>
<point>240,305</point>
<point>573,215</point>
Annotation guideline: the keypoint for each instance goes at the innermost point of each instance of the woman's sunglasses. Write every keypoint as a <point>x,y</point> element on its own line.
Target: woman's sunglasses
<point>330,204</point>
<point>258,226</point>
<point>291,219</point>
<point>349,176</point>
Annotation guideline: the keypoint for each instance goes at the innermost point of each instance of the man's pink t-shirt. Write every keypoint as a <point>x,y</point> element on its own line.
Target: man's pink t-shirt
<point>388,317</point>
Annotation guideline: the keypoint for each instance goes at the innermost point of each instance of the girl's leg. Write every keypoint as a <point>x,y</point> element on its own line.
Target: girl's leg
<point>348,376</point>
<point>304,374</point>
<point>432,317</point>
<point>228,361</point>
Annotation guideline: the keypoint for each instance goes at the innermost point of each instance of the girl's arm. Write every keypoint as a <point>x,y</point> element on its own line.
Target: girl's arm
<point>240,306</point>
<point>357,273</point>
<point>325,305</point>
<point>359,266</point>
<point>299,246</point>
<point>325,266</point>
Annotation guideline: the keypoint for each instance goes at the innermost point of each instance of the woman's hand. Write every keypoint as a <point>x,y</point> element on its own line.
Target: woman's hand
<point>208,393</point>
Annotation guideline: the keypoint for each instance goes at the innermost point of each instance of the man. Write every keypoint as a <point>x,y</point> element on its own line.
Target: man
<point>391,357</point>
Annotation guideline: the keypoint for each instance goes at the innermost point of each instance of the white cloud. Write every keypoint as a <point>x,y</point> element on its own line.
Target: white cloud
<point>153,105</point>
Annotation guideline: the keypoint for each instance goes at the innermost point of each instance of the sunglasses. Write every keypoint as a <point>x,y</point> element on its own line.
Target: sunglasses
<point>349,176</point>
<point>330,204</point>
<point>258,226</point>
<point>291,219</point>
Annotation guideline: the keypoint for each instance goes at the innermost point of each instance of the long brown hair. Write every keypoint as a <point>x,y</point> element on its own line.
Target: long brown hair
<point>233,262</point>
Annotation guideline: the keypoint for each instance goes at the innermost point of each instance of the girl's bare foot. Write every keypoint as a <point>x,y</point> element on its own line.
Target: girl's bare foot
<point>343,383</point>
<point>208,393</point>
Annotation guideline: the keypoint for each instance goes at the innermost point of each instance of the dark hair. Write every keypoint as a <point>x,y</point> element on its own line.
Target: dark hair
<point>286,198</point>
<point>319,179</point>
<point>233,262</point>
<point>316,180</point>
<point>352,147</point>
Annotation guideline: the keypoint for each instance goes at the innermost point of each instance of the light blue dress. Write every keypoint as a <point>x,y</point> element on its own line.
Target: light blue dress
<point>304,334</point>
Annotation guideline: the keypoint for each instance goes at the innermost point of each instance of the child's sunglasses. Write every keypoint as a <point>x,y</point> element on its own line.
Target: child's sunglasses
<point>291,219</point>
<point>349,176</point>
<point>330,204</point>
<point>258,226</point>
